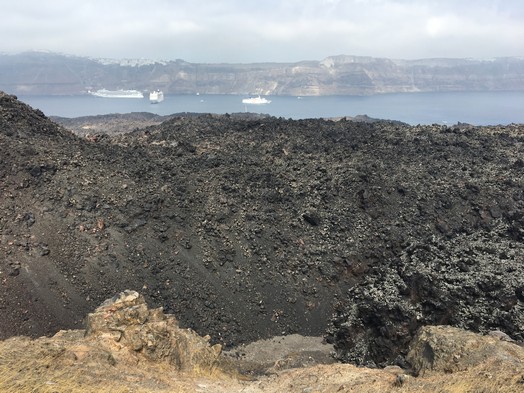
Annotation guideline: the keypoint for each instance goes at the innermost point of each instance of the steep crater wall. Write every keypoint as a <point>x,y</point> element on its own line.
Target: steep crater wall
<point>249,228</point>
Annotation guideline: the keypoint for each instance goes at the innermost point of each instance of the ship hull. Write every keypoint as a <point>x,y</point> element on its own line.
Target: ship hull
<point>117,93</point>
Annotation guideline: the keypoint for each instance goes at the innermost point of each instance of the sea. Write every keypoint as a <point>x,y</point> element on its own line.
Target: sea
<point>477,108</point>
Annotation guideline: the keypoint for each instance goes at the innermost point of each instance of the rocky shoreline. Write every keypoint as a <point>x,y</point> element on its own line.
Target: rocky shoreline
<point>251,228</point>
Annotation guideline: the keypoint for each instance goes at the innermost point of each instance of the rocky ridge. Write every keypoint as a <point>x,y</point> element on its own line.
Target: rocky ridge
<point>127,346</point>
<point>252,228</point>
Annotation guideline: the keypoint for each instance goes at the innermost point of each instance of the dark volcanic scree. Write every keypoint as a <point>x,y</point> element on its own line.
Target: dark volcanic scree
<point>249,228</point>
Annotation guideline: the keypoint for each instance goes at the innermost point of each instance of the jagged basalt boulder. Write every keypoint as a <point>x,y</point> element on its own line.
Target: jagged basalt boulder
<point>467,282</point>
<point>125,324</point>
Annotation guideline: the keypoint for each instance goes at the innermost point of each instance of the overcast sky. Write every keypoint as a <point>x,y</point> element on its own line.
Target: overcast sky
<point>248,31</point>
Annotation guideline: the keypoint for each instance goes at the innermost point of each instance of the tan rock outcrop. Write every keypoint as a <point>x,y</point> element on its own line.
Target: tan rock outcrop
<point>127,328</point>
<point>448,349</point>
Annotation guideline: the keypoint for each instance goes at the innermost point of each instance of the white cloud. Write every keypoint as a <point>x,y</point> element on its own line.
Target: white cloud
<point>438,26</point>
<point>272,30</point>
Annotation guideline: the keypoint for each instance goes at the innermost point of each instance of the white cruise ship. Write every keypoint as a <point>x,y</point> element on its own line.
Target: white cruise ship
<point>117,93</point>
<point>256,100</point>
<point>156,96</point>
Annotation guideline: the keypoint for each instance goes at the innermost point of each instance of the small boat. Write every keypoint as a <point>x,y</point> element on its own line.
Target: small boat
<point>256,100</point>
<point>156,96</point>
<point>117,93</point>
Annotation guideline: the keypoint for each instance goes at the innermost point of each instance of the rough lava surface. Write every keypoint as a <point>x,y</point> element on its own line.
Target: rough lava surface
<point>252,228</point>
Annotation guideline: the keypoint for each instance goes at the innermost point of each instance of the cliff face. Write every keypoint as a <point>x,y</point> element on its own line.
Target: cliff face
<point>44,73</point>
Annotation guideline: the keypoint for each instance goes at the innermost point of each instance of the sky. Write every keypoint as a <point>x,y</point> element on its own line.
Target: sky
<point>248,31</point>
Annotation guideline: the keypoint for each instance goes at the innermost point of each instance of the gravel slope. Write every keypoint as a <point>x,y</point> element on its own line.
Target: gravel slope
<point>252,228</point>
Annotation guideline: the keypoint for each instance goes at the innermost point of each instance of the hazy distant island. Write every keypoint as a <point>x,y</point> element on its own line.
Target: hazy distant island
<point>45,73</point>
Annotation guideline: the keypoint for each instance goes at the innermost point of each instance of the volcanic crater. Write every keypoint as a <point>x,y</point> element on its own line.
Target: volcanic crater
<point>248,227</point>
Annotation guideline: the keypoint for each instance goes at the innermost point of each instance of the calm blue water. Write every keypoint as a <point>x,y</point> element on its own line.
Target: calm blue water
<point>416,108</point>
